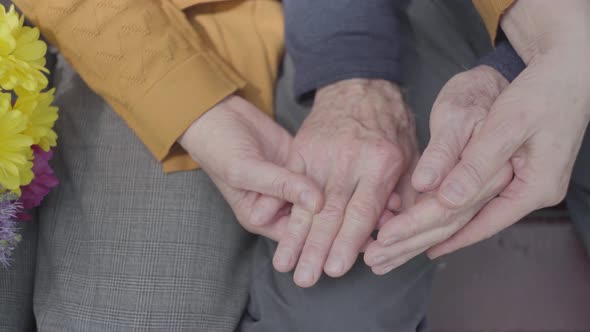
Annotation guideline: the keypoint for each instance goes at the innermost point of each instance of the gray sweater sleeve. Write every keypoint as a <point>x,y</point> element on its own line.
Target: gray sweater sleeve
<point>504,59</point>
<point>333,40</point>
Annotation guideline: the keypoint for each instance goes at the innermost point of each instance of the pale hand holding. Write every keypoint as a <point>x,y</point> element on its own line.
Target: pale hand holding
<point>246,155</point>
<point>460,109</point>
<point>536,124</point>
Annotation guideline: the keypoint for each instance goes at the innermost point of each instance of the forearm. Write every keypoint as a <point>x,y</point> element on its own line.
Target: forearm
<point>331,41</point>
<point>535,27</point>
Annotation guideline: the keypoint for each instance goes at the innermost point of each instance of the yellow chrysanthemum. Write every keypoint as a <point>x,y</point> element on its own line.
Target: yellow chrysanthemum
<point>15,147</point>
<point>42,116</point>
<point>22,54</point>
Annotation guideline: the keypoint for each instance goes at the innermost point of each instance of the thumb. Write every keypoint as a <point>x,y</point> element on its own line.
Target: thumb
<point>439,157</point>
<point>484,156</point>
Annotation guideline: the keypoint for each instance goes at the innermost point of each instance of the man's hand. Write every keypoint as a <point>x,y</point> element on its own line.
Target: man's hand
<point>537,123</point>
<point>357,143</point>
<point>458,112</point>
<point>246,154</point>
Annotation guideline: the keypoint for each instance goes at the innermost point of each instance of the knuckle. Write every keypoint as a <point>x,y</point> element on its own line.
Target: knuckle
<point>315,245</point>
<point>294,235</point>
<point>332,212</point>
<point>387,156</point>
<point>280,187</point>
<point>382,149</point>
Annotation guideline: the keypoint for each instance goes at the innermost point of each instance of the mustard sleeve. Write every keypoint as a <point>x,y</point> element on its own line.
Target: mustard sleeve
<point>145,59</point>
<point>491,11</point>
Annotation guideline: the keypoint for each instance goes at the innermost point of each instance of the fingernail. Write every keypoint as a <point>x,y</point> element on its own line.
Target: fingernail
<point>427,176</point>
<point>308,201</point>
<point>454,193</point>
<point>335,265</point>
<point>283,258</point>
<point>304,275</point>
<point>438,253</point>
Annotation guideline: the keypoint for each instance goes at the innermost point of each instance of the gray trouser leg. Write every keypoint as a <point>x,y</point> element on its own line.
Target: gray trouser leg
<point>438,45</point>
<point>578,197</point>
<point>123,246</point>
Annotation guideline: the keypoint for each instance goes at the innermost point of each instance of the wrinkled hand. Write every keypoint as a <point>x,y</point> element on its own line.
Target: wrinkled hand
<point>246,154</point>
<point>357,143</point>
<point>459,110</point>
<point>537,123</point>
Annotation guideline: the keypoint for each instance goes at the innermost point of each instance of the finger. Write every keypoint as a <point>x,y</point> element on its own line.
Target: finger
<point>269,179</point>
<point>418,219</point>
<point>385,217</point>
<point>378,255</point>
<point>360,219</point>
<point>498,214</point>
<point>265,208</point>
<point>484,156</point>
<point>293,239</point>
<point>429,213</point>
<point>323,232</point>
<point>395,202</point>
<point>275,230</point>
<point>386,268</point>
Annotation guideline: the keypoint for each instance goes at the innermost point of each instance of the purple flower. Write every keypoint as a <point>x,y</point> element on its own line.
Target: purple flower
<point>34,193</point>
<point>9,236</point>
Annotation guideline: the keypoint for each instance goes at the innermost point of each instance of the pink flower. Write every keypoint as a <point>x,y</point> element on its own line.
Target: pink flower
<point>34,193</point>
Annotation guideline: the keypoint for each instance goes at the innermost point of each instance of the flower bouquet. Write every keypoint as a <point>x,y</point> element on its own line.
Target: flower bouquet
<point>26,127</point>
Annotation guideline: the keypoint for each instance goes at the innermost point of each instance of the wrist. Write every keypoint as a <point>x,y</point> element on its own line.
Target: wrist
<point>195,136</point>
<point>359,87</point>
<point>374,102</point>
<point>539,27</point>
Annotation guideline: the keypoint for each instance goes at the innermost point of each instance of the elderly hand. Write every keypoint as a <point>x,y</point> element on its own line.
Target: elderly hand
<point>460,108</point>
<point>246,155</point>
<point>357,143</point>
<point>537,123</point>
